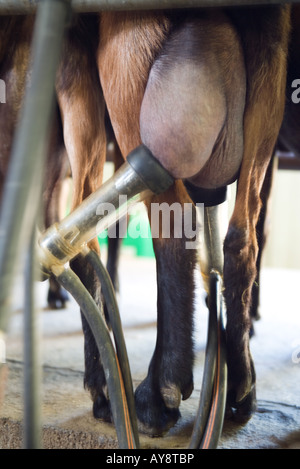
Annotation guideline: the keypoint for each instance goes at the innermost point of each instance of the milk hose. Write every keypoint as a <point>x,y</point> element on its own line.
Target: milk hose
<point>71,282</point>
<point>210,416</point>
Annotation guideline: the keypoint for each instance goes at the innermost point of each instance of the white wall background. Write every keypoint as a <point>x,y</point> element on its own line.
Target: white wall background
<point>283,244</point>
<point>282,249</point>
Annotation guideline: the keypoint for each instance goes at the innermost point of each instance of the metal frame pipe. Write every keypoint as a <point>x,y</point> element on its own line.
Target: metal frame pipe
<point>29,6</point>
<point>32,363</point>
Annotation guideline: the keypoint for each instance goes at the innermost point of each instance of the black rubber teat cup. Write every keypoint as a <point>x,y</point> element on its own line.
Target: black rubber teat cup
<point>149,169</point>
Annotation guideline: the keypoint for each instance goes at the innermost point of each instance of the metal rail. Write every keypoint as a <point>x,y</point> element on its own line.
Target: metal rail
<point>84,6</point>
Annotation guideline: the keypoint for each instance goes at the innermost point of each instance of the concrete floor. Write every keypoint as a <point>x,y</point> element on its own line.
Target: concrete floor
<point>66,408</point>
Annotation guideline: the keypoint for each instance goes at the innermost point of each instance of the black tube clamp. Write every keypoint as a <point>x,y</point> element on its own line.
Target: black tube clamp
<point>208,197</point>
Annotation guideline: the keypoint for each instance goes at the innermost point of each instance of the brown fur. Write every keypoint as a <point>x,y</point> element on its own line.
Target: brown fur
<point>264,36</point>
<point>265,56</point>
<point>122,53</point>
<point>128,45</point>
<point>15,40</point>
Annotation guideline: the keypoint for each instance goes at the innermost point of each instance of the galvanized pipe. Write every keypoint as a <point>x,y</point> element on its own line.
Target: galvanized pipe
<point>214,221</point>
<point>32,363</point>
<point>29,6</point>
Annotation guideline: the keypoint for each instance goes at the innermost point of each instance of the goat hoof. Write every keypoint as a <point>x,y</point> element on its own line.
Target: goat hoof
<point>101,409</point>
<point>246,408</point>
<point>155,418</point>
<point>57,299</point>
<point>171,395</point>
<point>155,430</point>
<point>243,410</point>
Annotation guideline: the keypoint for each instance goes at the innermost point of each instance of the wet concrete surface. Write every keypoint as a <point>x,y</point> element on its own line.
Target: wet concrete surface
<point>67,421</point>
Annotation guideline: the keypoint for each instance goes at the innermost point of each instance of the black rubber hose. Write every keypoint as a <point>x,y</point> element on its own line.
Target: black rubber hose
<point>207,383</point>
<point>210,416</point>
<point>69,280</point>
<point>116,325</point>
<point>215,422</point>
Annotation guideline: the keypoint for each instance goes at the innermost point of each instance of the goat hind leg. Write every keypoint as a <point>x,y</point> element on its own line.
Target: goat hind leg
<point>170,374</point>
<point>263,116</point>
<point>82,109</point>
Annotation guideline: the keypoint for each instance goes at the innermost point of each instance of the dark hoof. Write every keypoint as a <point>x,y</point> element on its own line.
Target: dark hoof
<point>242,411</point>
<point>57,304</point>
<point>57,299</point>
<point>155,418</point>
<point>155,431</point>
<point>101,409</point>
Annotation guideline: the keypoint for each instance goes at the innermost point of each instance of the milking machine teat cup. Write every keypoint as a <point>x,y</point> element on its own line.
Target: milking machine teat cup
<point>140,176</point>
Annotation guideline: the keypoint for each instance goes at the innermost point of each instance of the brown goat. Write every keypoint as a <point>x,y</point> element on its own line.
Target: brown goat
<point>204,89</point>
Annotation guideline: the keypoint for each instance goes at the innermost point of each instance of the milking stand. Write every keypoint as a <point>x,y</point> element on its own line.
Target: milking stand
<point>140,176</point>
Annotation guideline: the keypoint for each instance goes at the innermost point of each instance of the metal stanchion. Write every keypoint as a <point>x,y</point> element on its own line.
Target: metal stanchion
<point>29,6</point>
<point>32,365</point>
